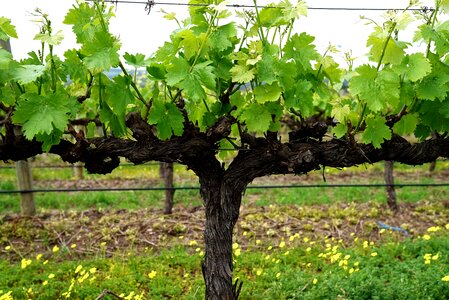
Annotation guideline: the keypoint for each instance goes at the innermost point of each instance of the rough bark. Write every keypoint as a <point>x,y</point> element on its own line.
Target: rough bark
<point>166,173</point>
<point>389,180</point>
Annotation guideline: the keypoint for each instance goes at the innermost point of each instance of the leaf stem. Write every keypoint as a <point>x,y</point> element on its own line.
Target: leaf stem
<point>259,24</point>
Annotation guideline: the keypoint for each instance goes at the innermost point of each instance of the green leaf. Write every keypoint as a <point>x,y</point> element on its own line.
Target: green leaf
<point>267,93</point>
<point>24,74</point>
<point>46,38</point>
<point>376,131</point>
<point>39,114</point>
<point>378,89</point>
<point>434,86</point>
<point>178,70</point>
<point>137,60</point>
<point>242,73</point>
<point>439,36</point>
<point>5,59</point>
<point>205,73</point>
<point>418,66</point>
<point>257,117</point>
<point>223,37</point>
<point>119,95</point>
<point>340,130</point>
<point>80,18</point>
<point>168,119</point>
<point>393,52</point>
<point>302,51</point>
<point>300,97</point>
<point>406,125</point>
<point>267,67</point>
<point>115,122</point>
<point>157,71</point>
<point>7,30</point>
<point>101,53</point>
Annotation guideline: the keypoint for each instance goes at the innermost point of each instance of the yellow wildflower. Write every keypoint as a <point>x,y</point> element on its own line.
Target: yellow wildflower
<point>73,246</point>
<point>259,272</point>
<point>278,275</point>
<point>237,252</point>
<point>39,256</point>
<point>7,248</point>
<point>258,242</point>
<point>235,246</point>
<point>45,282</point>
<point>25,263</point>
<point>78,269</point>
<point>374,254</point>
<point>152,274</point>
<point>93,270</point>
<point>308,249</point>
<point>445,278</point>
<point>55,249</point>
<point>433,229</point>
<point>426,237</point>
<point>51,275</point>
<point>315,281</point>
<point>282,244</point>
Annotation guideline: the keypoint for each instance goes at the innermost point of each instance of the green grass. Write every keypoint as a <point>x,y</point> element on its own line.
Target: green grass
<point>298,270</point>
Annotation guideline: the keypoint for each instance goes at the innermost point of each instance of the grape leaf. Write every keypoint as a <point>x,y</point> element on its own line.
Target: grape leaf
<point>119,95</point>
<point>177,70</point>
<point>205,73</point>
<point>53,40</point>
<point>406,125</point>
<point>300,97</point>
<point>101,52</point>
<point>301,49</point>
<point>79,17</point>
<point>418,66</point>
<point>74,67</point>
<point>5,59</point>
<point>168,119</point>
<point>377,88</point>
<point>136,60</point>
<point>157,71</point>
<point>190,42</point>
<point>223,37</point>
<point>267,67</point>
<point>376,131</point>
<point>393,52</point>
<point>267,93</point>
<point>115,122</point>
<point>340,130</point>
<point>242,73</point>
<point>434,86</point>
<point>7,30</point>
<point>42,114</point>
<point>257,117</point>
<point>431,116</point>
<point>24,74</point>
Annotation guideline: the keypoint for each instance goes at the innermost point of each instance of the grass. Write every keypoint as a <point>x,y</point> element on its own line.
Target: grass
<point>294,269</point>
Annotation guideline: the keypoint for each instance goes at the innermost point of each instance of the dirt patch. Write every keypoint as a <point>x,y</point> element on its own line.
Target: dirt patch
<point>109,232</point>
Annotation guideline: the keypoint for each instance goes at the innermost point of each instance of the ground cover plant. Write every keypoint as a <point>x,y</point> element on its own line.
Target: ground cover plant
<point>217,84</point>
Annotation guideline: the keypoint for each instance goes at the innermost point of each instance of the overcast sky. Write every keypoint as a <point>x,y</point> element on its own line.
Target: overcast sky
<point>143,33</point>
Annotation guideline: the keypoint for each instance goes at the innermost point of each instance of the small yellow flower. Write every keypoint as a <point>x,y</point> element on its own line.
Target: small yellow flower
<point>198,249</point>
<point>152,274</point>
<point>55,249</point>
<point>193,243</point>
<point>278,275</point>
<point>45,282</point>
<point>436,257</point>
<point>426,237</point>
<point>315,281</point>
<point>237,252</point>
<point>374,254</point>
<point>292,238</point>
<point>45,262</point>
<point>382,231</point>
<point>282,244</point>
<point>308,249</point>
<point>78,269</point>
<point>447,226</point>
<point>39,256</point>
<point>201,253</point>
<point>25,263</point>
<point>103,244</point>
<point>351,271</point>
<point>7,248</point>
<point>51,275</point>
<point>433,229</point>
<point>93,270</point>
<point>259,272</point>
<point>306,240</point>
<point>73,246</point>
<point>445,278</point>
<point>235,246</point>
<point>269,248</point>
<point>258,242</point>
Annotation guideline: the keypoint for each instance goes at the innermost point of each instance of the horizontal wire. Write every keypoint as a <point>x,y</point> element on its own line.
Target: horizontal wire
<point>152,3</point>
<point>396,185</point>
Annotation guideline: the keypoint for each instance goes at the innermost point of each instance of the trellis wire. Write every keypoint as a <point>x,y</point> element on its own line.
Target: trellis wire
<point>297,186</point>
<point>150,3</point>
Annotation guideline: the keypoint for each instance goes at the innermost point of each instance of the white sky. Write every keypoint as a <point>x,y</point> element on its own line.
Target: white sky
<point>142,33</point>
